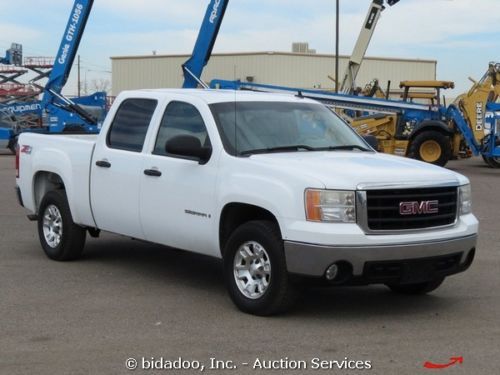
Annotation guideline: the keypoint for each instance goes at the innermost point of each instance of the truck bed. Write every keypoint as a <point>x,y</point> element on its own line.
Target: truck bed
<point>68,154</point>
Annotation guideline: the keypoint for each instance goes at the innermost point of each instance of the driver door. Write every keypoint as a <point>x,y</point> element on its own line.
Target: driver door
<point>177,201</point>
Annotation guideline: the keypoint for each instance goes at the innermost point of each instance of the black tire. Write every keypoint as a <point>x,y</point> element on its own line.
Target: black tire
<point>438,139</point>
<point>416,289</point>
<point>280,293</point>
<point>492,162</point>
<point>71,236</point>
<point>13,145</point>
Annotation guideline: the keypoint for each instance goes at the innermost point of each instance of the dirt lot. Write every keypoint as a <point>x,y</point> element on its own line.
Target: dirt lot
<point>128,299</point>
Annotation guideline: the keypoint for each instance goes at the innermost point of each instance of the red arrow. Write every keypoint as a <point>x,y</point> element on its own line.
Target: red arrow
<point>453,361</point>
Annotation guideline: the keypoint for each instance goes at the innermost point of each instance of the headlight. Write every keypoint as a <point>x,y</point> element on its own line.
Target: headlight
<point>465,199</point>
<point>330,206</point>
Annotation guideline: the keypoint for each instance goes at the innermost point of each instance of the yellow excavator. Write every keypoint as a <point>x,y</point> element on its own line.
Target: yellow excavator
<point>442,133</point>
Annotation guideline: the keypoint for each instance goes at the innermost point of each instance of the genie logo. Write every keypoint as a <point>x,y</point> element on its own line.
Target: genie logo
<point>371,18</point>
<point>418,208</point>
<point>213,15</point>
<point>70,33</point>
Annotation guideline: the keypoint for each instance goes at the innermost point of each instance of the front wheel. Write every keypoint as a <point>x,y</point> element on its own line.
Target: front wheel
<point>60,237</point>
<point>432,147</point>
<point>419,288</point>
<point>255,269</point>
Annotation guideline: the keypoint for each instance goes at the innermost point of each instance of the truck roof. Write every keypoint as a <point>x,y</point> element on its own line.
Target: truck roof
<point>220,96</point>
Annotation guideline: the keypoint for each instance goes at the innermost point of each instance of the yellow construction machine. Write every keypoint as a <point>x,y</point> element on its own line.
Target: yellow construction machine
<point>440,133</point>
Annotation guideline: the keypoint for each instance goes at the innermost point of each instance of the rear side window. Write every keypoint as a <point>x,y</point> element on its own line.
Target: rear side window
<point>130,125</point>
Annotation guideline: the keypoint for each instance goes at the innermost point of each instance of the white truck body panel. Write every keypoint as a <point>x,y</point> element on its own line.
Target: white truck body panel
<point>273,181</point>
<point>69,157</point>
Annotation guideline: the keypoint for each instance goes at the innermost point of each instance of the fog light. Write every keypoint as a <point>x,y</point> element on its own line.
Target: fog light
<point>332,272</point>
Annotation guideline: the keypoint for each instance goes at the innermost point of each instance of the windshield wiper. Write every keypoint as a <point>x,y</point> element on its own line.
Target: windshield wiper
<point>343,147</point>
<point>278,149</point>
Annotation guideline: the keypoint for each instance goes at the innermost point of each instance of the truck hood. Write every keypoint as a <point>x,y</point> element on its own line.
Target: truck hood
<point>351,170</point>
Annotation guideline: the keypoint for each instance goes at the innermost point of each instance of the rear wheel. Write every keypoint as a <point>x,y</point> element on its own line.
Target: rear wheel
<point>255,269</point>
<point>415,289</point>
<point>60,237</point>
<point>432,147</point>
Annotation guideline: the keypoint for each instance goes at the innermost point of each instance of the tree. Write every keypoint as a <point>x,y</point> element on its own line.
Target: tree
<point>100,84</point>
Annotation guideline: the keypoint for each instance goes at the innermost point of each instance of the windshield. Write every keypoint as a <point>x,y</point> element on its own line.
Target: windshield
<point>261,127</point>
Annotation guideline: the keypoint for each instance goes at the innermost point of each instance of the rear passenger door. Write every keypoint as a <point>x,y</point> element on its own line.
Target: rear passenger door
<point>117,166</point>
<point>178,202</point>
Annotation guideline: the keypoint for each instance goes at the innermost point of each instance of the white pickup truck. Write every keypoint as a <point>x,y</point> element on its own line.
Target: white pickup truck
<point>277,186</point>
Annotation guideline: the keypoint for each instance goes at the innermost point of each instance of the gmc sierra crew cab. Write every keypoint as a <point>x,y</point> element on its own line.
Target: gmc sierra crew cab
<point>278,186</point>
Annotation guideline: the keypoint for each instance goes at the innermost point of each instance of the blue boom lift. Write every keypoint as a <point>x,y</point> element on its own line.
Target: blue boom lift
<point>57,112</point>
<point>452,126</point>
<point>193,68</point>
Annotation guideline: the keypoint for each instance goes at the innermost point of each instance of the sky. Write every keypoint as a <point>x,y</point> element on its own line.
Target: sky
<point>462,35</point>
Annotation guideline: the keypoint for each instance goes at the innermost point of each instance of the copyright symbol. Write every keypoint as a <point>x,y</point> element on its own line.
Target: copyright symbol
<point>131,364</point>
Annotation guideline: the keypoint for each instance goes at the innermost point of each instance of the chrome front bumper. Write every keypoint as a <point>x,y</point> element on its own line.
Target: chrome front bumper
<point>313,260</point>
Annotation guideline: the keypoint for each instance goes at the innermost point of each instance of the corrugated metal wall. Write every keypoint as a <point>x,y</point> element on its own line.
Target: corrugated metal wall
<point>304,71</point>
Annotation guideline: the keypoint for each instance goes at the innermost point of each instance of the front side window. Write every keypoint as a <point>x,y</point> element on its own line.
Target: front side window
<point>260,127</point>
<point>130,125</point>
<point>180,119</point>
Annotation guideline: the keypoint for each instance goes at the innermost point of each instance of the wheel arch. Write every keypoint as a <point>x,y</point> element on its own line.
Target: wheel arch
<point>235,214</point>
<point>43,182</point>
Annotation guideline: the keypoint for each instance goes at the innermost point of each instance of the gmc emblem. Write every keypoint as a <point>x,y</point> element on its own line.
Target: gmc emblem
<point>418,208</point>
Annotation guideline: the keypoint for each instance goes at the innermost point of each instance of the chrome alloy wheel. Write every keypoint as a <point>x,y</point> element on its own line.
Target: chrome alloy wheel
<point>252,270</point>
<point>52,226</point>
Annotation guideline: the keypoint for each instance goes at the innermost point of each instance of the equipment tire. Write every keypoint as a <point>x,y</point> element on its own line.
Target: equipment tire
<point>431,146</point>
<point>60,237</point>
<point>13,145</point>
<point>493,162</point>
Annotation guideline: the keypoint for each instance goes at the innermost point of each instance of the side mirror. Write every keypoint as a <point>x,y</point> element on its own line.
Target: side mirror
<point>189,147</point>
<point>372,141</point>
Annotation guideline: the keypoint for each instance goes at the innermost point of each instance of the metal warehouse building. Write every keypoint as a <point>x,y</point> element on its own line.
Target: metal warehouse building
<point>304,70</point>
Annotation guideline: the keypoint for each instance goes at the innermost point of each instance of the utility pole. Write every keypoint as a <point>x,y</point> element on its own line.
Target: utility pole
<point>337,27</point>
<point>85,87</point>
<point>79,82</point>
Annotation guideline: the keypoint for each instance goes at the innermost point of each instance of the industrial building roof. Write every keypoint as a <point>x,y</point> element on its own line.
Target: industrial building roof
<point>293,54</point>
